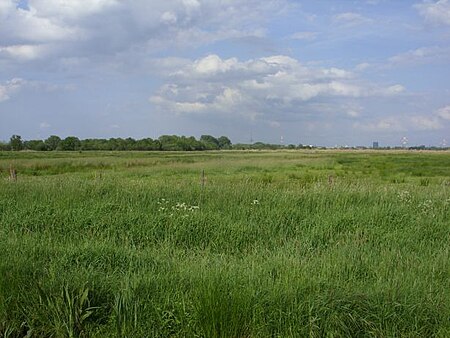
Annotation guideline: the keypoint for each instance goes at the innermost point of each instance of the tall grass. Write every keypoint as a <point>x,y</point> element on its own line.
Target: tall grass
<point>273,249</point>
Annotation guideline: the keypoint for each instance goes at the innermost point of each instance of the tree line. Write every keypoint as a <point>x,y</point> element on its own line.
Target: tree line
<point>163,143</point>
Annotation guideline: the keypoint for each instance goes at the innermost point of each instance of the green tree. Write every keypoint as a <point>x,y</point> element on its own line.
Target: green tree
<point>70,143</point>
<point>16,143</point>
<point>129,143</point>
<point>4,146</point>
<point>210,142</point>
<point>170,142</point>
<point>224,142</point>
<point>37,145</point>
<point>52,142</point>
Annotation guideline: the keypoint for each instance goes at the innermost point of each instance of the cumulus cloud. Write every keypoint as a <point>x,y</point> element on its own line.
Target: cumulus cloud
<point>444,113</point>
<point>265,88</point>
<point>24,52</point>
<point>73,9</point>
<point>435,12</point>
<point>10,87</point>
<point>80,28</point>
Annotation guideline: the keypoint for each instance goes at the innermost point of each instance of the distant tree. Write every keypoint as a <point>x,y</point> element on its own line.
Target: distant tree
<point>4,146</point>
<point>224,142</point>
<point>52,142</point>
<point>241,146</point>
<point>193,144</point>
<point>259,145</point>
<point>70,143</point>
<point>210,142</point>
<point>129,143</point>
<point>16,143</point>
<point>165,142</point>
<point>147,144</point>
<point>113,144</point>
<point>170,142</point>
<point>94,144</point>
<point>37,145</point>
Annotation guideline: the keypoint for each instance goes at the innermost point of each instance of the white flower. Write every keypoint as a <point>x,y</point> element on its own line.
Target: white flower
<point>404,196</point>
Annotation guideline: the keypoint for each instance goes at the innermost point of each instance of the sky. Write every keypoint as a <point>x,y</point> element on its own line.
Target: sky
<point>317,72</point>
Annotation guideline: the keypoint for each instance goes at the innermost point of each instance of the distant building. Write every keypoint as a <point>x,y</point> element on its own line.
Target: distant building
<point>375,145</point>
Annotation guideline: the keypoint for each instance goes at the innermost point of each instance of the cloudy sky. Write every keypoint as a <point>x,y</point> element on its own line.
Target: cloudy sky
<point>315,72</point>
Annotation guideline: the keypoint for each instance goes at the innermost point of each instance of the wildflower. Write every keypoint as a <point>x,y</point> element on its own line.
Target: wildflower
<point>178,209</point>
<point>404,196</point>
<point>255,202</point>
<point>427,208</point>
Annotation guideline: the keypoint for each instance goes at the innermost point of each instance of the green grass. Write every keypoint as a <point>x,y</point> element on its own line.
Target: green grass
<point>112,244</point>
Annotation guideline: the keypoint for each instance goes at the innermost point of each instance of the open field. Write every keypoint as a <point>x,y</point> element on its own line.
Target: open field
<point>276,244</point>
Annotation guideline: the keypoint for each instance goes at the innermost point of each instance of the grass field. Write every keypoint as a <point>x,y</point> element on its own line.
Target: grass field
<point>275,244</point>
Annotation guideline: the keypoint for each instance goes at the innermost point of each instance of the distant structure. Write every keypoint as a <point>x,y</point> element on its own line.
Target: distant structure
<point>375,145</point>
<point>404,141</point>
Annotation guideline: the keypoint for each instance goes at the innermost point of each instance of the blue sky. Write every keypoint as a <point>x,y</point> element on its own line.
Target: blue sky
<point>315,72</point>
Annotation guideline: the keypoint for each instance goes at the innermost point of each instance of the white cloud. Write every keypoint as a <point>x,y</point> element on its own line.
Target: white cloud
<point>71,9</point>
<point>23,52</point>
<point>384,124</point>
<point>20,26</point>
<point>169,17</point>
<point>351,19</point>
<point>401,122</point>
<point>444,112</point>
<point>258,88</point>
<point>76,28</point>
<point>421,55</point>
<point>44,125</point>
<point>392,90</point>
<point>212,64</point>
<point>435,12</point>
<point>353,113</point>
<point>426,122</point>
<point>10,87</point>
<point>304,36</point>
<point>13,86</point>
<point>362,66</point>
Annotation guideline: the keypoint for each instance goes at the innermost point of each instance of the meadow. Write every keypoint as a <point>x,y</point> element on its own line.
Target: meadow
<point>269,244</point>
